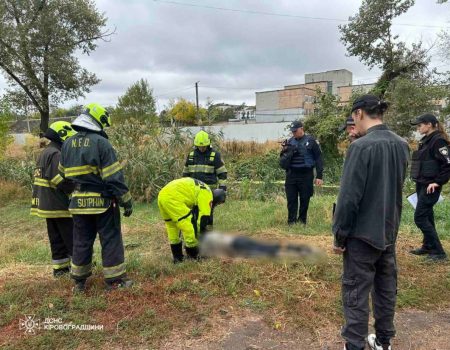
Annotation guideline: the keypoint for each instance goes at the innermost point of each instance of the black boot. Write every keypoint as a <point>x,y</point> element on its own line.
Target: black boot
<point>192,253</point>
<point>119,283</point>
<point>80,286</point>
<point>61,272</point>
<point>177,252</point>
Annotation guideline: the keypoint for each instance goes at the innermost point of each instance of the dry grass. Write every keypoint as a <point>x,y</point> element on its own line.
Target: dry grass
<point>247,148</point>
<point>184,302</point>
<point>11,191</point>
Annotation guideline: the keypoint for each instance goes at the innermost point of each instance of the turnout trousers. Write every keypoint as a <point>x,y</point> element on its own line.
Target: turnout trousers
<point>60,235</point>
<point>424,218</point>
<point>107,225</point>
<point>368,270</point>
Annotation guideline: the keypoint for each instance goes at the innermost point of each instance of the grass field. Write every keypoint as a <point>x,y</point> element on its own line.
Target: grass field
<point>181,302</point>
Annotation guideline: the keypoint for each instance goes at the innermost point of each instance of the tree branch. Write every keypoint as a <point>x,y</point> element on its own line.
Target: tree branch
<point>23,86</point>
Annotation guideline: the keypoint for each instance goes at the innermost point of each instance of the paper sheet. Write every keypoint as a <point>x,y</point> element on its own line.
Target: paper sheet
<point>412,199</point>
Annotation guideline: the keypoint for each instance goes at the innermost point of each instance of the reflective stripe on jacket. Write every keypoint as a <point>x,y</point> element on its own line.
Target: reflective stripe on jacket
<point>49,199</point>
<point>89,160</point>
<point>207,166</point>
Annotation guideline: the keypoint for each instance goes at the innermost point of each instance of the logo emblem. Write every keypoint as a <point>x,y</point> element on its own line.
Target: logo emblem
<point>29,324</point>
<point>443,151</point>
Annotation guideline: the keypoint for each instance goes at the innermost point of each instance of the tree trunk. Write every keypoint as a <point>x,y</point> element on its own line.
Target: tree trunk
<point>45,116</point>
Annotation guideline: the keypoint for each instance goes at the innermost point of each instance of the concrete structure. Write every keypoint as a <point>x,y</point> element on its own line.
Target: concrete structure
<point>297,101</point>
<point>345,92</point>
<point>336,78</point>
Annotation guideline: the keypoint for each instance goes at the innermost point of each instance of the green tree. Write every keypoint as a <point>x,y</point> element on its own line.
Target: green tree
<point>324,124</point>
<point>410,97</point>
<point>369,36</point>
<point>137,103</point>
<point>185,112</point>
<point>38,43</point>
<point>6,115</point>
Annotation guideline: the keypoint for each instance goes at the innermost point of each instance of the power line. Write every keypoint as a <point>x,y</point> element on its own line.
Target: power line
<point>264,13</point>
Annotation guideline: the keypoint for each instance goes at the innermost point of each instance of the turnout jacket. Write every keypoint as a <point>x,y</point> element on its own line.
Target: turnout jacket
<point>431,162</point>
<point>369,204</point>
<point>207,166</point>
<point>89,160</point>
<point>191,195</point>
<point>50,191</point>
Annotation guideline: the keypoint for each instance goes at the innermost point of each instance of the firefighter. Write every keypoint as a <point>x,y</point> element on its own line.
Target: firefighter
<point>430,169</point>
<point>205,163</point>
<point>50,197</point>
<point>185,205</point>
<point>89,160</point>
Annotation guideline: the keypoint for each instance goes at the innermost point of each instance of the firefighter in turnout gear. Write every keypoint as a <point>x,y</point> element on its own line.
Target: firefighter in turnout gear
<point>89,160</point>
<point>430,169</point>
<point>50,198</point>
<point>205,164</point>
<point>185,205</point>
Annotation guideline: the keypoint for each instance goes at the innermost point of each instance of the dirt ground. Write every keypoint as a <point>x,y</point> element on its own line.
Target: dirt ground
<point>416,330</point>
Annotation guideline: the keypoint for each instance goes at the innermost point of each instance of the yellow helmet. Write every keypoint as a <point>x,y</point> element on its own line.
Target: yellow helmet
<point>202,139</point>
<point>99,113</point>
<point>63,129</point>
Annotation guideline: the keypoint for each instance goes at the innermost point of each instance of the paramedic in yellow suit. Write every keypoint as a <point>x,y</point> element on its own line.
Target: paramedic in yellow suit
<point>185,205</point>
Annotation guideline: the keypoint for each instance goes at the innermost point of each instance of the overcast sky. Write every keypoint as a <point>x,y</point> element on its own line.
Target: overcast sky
<point>232,53</point>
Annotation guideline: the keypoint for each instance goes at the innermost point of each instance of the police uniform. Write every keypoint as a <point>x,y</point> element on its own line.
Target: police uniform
<point>299,157</point>
<point>185,205</point>
<point>430,164</point>
<point>89,160</point>
<point>207,167</point>
<point>50,199</point>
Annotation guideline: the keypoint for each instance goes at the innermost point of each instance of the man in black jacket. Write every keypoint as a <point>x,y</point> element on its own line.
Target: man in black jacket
<point>366,223</point>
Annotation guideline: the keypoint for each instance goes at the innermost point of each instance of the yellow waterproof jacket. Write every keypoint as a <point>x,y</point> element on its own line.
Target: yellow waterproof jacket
<point>182,197</point>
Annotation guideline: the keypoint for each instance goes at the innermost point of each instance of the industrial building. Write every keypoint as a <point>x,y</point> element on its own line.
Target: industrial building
<point>297,101</point>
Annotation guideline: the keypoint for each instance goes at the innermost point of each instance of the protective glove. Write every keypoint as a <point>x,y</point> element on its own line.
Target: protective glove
<point>223,187</point>
<point>128,206</point>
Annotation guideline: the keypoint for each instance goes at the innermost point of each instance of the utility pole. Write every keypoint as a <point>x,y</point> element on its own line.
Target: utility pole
<point>196,100</point>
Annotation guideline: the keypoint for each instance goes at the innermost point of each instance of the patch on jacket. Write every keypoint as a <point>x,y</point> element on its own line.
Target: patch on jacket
<point>443,151</point>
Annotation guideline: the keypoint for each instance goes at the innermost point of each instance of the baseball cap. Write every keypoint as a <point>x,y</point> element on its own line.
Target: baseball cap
<point>425,118</point>
<point>367,101</point>
<point>295,125</point>
<point>348,122</point>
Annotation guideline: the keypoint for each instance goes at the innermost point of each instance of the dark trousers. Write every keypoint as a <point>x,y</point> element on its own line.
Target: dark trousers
<point>86,227</point>
<point>368,270</point>
<point>299,186</point>
<point>424,218</point>
<point>60,234</point>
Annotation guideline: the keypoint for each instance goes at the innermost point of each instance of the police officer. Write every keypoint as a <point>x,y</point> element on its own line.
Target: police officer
<point>185,205</point>
<point>89,160</point>
<point>299,156</point>
<point>350,128</point>
<point>205,163</point>
<point>50,197</point>
<point>430,169</point>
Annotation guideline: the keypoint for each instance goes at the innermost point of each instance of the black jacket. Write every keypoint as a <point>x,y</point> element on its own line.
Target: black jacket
<point>369,204</point>
<point>431,162</point>
<point>207,167</point>
<point>89,160</point>
<point>290,152</point>
<point>50,191</point>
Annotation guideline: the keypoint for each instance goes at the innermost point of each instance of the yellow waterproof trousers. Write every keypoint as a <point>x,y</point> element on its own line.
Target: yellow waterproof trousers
<point>177,216</point>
